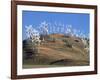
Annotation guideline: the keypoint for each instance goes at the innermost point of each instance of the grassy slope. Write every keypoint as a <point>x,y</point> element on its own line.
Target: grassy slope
<point>55,53</point>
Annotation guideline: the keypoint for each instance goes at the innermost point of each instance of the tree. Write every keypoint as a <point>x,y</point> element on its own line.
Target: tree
<point>44,30</point>
<point>69,31</point>
<point>33,35</point>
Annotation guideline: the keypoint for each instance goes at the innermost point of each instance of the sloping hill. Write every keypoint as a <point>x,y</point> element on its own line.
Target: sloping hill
<point>59,50</point>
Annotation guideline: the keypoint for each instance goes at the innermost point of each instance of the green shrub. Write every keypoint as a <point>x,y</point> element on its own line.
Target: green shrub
<point>67,43</point>
<point>51,39</point>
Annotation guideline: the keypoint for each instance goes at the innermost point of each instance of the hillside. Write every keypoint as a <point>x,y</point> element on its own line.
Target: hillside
<point>57,50</point>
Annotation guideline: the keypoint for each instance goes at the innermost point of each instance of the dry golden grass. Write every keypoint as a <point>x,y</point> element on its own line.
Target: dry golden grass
<point>57,54</point>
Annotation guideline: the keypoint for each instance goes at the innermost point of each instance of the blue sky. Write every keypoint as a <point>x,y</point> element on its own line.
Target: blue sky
<point>77,20</point>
